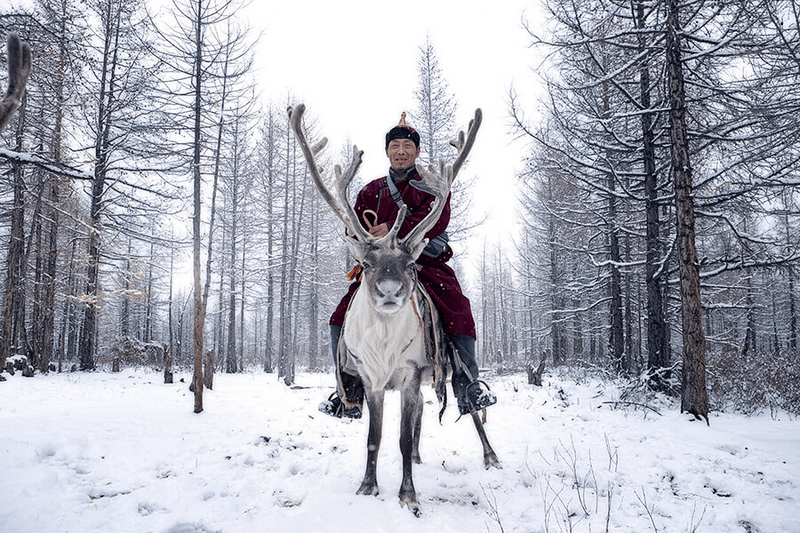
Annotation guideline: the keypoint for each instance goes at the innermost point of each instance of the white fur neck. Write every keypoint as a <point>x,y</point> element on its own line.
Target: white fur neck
<point>383,346</point>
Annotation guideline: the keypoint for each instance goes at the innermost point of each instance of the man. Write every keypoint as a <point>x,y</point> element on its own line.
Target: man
<point>377,206</point>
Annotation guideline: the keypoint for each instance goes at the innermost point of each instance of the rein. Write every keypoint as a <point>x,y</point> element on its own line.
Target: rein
<point>417,268</point>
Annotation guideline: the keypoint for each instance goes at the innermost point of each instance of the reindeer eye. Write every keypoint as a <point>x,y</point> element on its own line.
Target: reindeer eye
<point>364,265</point>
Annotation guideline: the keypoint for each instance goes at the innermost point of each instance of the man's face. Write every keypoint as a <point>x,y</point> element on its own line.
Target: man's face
<point>402,153</point>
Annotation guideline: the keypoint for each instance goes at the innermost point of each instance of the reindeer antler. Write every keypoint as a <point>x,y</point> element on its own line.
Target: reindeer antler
<point>19,67</point>
<point>337,196</point>
<point>463,146</point>
<point>438,184</point>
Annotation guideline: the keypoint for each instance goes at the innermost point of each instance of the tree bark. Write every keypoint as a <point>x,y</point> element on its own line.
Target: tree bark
<point>199,314</point>
<point>657,348</point>
<point>694,398</point>
<point>270,319</point>
<point>14,297</point>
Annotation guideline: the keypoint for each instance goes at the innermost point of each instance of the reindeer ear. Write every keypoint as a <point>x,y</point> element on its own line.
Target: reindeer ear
<point>358,249</point>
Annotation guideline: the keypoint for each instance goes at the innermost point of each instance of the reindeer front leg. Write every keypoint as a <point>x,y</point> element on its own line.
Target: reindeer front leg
<point>418,430</point>
<point>410,417</point>
<point>369,485</point>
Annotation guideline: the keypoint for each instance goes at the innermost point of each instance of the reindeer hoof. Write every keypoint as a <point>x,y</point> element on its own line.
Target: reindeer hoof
<point>412,504</point>
<point>490,461</point>
<point>368,489</point>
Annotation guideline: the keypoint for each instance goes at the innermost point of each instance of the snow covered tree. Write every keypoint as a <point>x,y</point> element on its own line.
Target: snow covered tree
<point>436,107</point>
<point>614,131</point>
<point>435,119</point>
<point>122,76</point>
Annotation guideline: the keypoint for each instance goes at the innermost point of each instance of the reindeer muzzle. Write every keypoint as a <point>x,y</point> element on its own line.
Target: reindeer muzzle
<point>389,295</point>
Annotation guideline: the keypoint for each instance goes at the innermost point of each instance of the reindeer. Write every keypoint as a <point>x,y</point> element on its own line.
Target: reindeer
<point>19,67</point>
<point>390,328</point>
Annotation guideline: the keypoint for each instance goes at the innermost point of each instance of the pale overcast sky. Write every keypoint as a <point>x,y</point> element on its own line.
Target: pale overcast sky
<point>354,64</point>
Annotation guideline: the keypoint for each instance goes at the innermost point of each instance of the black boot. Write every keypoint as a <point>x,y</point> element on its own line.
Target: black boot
<point>354,392</point>
<point>353,387</point>
<point>467,388</point>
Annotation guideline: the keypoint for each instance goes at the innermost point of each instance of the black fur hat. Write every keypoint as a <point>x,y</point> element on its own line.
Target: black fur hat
<point>403,131</point>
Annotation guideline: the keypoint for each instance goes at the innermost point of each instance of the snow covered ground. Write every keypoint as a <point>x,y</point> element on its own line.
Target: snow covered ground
<point>90,452</point>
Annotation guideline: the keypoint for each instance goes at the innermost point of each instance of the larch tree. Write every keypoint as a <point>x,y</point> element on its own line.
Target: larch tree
<point>201,40</point>
<point>435,119</point>
<point>122,74</point>
<point>436,106</point>
<point>694,397</point>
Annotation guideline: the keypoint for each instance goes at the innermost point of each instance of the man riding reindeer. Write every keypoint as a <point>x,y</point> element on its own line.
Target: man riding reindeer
<point>377,206</point>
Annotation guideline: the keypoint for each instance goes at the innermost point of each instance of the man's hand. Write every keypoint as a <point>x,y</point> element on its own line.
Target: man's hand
<point>379,231</point>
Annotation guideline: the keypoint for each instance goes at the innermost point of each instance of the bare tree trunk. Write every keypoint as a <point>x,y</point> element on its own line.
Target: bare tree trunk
<point>66,347</point>
<point>199,314</point>
<point>313,311</point>
<point>627,364</point>
<point>616,342</point>
<point>49,283</point>
<point>657,350</point>
<point>208,370</point>
<point>241,311</point>
<point>694,397</point>
<point>125,314</point>
<point>148,317</point>
<point>557,334</point>
<point>752,325</point>
<point>287,356</point>
<point>268,345</point>
<point>294,286</point>
<point>169,350</point>
<point>35,246</point>
<point>14,298</point>
<point>230,352</point>
<point>219,317</point>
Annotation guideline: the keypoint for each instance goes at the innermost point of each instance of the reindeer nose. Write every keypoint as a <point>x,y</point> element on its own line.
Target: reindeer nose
<point>390,289</point>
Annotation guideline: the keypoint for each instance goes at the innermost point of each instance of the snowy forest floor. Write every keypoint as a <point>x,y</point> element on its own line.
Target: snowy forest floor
<point>90,452</point>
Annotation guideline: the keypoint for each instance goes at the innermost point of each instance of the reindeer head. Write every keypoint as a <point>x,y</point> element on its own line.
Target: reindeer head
<point>389,271</point>
<point>389,262</point>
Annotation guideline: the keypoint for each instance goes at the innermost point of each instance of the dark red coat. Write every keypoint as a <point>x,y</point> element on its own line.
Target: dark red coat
<point>435,275</point>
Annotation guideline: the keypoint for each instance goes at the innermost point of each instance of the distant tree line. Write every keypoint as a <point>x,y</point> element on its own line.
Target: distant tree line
<point>154,213</point>
<point>660,201</point>
<point>122,117</point>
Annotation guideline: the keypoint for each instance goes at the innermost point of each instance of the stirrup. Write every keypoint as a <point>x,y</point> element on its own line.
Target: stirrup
<point>334,406</point>
<point>475,398</point>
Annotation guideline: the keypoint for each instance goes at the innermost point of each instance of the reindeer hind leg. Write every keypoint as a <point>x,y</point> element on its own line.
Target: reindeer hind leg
<point>489,457</point>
